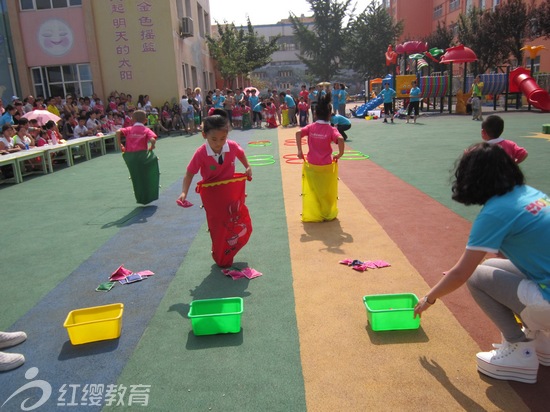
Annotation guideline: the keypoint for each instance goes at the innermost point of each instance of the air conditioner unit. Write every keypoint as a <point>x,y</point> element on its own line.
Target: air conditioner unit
<point>186,29</point>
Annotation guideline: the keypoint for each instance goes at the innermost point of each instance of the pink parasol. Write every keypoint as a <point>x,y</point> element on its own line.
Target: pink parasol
<point>252,88</point>
<point>42,116</point>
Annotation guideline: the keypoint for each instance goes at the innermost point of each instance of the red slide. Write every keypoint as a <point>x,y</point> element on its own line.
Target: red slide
<point>537,96</point>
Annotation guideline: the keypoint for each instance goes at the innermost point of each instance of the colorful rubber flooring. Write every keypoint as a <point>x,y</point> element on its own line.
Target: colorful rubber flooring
<point>305,343</point>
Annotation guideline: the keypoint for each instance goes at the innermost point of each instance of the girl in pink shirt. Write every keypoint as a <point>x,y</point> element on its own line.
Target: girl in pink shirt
<point>228,218</point>
<point>215,159</point>
<point>320,171</point>
<point>320,135</point>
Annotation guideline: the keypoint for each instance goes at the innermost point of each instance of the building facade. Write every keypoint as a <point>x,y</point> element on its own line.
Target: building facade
<point>80,47</point>
<point>420,18</point>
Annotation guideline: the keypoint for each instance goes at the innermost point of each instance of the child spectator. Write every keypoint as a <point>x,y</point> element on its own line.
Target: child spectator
<point>247,116</point>
<point>166,117</point>
<point>80,129</point>
<point>285,121</point>
<point>237,116</point>
<point>303,109</point>
<point>52,133</point>
<point>92,124</point>
<point>492,128</point>
<point>271,114</point>
<point>155,123</point>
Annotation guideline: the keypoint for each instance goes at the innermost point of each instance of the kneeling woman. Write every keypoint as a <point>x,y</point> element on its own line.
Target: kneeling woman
<point>515,223</point>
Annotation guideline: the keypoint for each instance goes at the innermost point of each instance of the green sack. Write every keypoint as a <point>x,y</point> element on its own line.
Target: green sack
<point>144,172</point>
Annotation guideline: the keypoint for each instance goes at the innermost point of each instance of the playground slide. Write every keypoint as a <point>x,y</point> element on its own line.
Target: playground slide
<point>536,96</point>
<point>370,105</point>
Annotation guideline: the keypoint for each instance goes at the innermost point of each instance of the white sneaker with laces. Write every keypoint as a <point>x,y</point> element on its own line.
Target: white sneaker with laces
<point>510,361</point>
<point>542,344</point>
<point>9,361</point>
<point>9,339</point>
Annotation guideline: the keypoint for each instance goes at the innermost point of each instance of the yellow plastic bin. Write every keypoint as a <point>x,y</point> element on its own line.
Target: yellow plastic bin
<point>215,316</point>
<point>95,323</point>
<point>392,311</point>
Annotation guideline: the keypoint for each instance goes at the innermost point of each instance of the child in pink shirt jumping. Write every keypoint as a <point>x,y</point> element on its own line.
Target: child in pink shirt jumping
<point>320,170</point>
<point>491,129</point>
<point>221,189</point>
<point>139,157</point>
<point>137,136</point>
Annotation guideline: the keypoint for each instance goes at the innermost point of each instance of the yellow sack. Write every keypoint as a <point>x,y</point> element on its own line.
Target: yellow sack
<point>319,192</point>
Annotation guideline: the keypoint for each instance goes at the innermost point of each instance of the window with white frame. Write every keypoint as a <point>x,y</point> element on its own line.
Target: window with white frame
<point>75,79</point>
<point>438,11</point>
<point>454,4</point>
<point>496,3</point>
<point>47,4</point>
<point>285,73</point>
<point>536,64</point>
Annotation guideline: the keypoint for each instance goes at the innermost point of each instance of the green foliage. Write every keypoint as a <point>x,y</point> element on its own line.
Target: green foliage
<point>370,34</point>
<point>239,51</point>
<point>322,49</point>
<point>442,37</point>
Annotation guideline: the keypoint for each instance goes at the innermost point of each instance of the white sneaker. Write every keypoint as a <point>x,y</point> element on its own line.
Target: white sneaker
<point>542,344</point>
<point>9,361</point>
<point>9,339</point>
<point>510,361</point>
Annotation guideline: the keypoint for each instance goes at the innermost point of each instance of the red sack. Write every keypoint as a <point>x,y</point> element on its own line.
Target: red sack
<point>227,217</point>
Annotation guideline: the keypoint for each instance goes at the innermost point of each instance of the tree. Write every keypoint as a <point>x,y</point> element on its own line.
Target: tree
<point>322,48</point>
<point>541,20</point>
<point>512,21</point>
<point>442,37</point>
<point>370,34</point>
<point>477,30</point>
<point>239,51</point>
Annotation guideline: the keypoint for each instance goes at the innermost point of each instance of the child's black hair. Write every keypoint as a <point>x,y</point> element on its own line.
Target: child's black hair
<point>493,126</point>
<point>218,120</point>
<point>323,110</point>
<point>484,170</point>
<point>49,124</point>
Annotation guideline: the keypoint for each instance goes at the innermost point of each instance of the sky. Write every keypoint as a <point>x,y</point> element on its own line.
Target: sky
<point>262,12</point>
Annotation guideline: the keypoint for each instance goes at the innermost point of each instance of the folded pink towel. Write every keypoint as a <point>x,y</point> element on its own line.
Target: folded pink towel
<point>248,273</point>
<point>121,273</point>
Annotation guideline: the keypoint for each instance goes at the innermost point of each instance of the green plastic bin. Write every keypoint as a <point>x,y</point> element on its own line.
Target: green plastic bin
<point>392,311</point>
<point>215,316</point>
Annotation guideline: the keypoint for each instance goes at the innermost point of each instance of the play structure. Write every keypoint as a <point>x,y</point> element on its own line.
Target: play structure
<point>443,89</point>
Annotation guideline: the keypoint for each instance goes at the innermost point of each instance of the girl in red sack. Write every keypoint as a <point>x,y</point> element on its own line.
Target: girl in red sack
<point>221,189</point>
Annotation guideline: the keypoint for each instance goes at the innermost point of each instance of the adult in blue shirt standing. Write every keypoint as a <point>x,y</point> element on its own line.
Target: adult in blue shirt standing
<point>342,100</point>
<point>336,98</point>
<point>414,101</point>
<point>342,123</point>
<point>388,94</point>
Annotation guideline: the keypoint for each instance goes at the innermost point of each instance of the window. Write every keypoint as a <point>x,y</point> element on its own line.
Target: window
<point>287,47</point>
<point>47,4</point>
<point>496,3</point>
<point>62,80</point>
<point>454,4</point>
<point>284,86</point>
<point>260,75</point>
<point>536,64</point>
<point>285,73</point>
<point>454,28</point>
<point>201,21</point>
<point>438,11</point>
